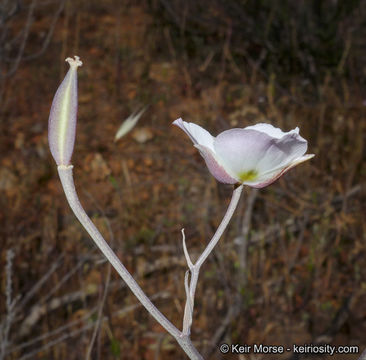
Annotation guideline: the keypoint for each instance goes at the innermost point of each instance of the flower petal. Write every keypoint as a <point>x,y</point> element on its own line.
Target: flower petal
<point>197,134</point>
<point>240,150</point>
<point>248,153</point>
<point>213,164</point>
<point>268,178</point>
<point>271,130</point>
<point>282,152</point>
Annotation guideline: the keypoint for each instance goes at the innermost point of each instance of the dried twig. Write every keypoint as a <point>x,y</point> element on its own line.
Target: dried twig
<point>31,293</point>
<point>25,34</point>
<point>50,32</point>
<point>76,323</point>
<point>6,324</point>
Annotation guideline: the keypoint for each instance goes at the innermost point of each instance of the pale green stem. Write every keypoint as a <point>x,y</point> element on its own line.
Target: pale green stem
<point>195,269</point>
<point>66,177</point>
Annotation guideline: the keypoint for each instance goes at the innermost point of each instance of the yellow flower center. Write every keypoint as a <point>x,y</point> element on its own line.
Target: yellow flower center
<point>248,175</point>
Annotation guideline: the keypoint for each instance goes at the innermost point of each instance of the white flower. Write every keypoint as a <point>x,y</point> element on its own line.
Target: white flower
<point>256,155</point>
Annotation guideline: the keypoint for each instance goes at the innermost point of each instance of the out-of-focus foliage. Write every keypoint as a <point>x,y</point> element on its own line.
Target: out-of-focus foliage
<point>306,38</point>
<point>17,18</point>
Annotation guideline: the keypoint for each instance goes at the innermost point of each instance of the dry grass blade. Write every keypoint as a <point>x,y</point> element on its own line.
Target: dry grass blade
<point>129,123</point>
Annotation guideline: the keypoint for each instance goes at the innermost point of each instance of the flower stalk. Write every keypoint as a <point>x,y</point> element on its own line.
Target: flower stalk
<point>66,177</point>
<point>62,125</point>
<point>195,268</point>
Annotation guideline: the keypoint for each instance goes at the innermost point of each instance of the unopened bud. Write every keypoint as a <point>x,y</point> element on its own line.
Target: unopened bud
<point>63,114</point>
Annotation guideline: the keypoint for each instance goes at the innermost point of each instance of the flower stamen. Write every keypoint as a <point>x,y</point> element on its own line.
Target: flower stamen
<point>248,175</point>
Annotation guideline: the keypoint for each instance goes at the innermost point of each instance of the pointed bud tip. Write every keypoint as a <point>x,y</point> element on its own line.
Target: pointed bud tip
<point>75,63</point>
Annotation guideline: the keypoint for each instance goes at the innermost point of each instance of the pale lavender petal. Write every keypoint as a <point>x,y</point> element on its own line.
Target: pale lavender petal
<point>214,166</point>
<point>240,150</point>
<point>197,134</point>
<point>249,153</point>
<point>268,178</point>
<point>62,120</point>
<point>282,152</point>
<point>271,130</point>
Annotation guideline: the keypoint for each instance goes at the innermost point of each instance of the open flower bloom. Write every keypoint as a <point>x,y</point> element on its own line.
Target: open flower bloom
<point>256,155</point>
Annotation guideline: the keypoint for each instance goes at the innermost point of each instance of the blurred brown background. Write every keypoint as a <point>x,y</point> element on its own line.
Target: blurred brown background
<point>290,267</point>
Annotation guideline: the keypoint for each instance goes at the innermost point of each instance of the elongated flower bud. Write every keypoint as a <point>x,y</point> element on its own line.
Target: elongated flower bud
<point>62,120</point>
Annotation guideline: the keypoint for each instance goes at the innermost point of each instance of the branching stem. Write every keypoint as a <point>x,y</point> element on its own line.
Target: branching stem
<point>195,268</point>
<point>66,177</point>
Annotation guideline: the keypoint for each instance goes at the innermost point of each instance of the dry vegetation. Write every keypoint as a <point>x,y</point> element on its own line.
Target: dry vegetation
<point>291,266</point>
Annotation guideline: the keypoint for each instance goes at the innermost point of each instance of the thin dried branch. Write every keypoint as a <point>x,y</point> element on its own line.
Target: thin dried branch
<point>50,32</point>
<point>46,338</point>
<point>25,35</point>
<point>42,281</point>
<point>7,322</point>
